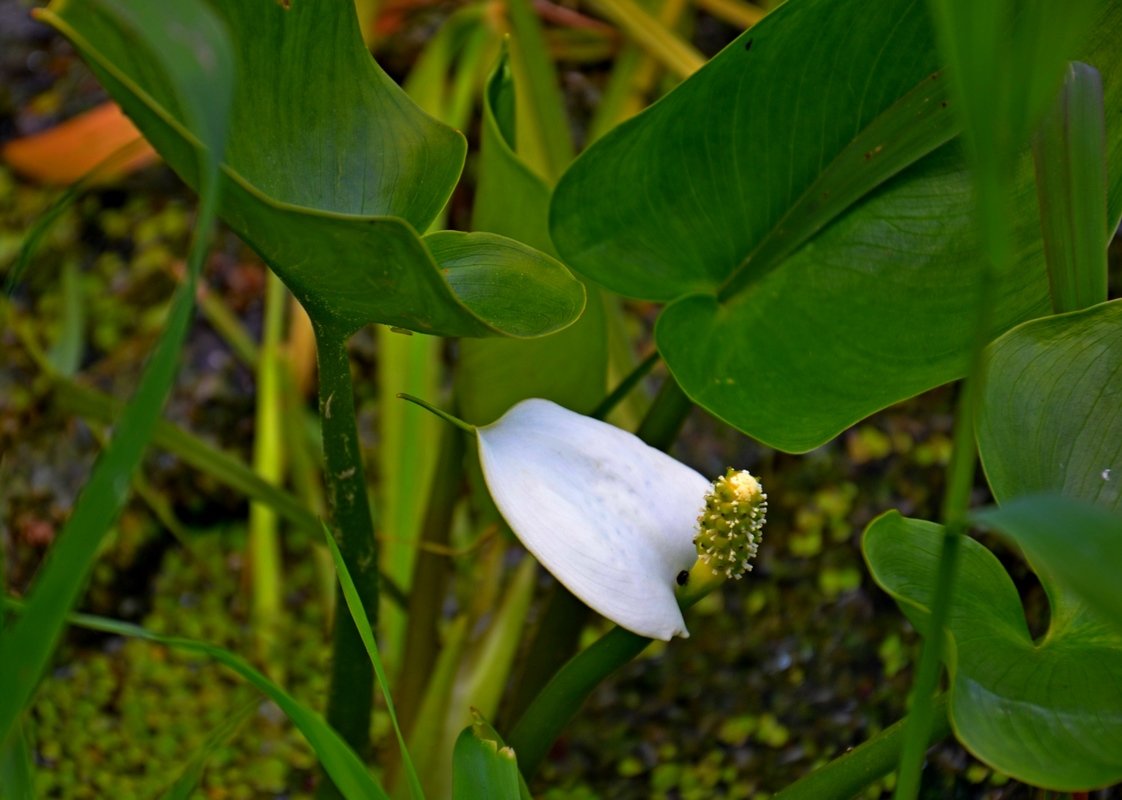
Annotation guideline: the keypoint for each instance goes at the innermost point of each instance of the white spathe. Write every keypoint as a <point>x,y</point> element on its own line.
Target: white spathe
<point>610,517</point>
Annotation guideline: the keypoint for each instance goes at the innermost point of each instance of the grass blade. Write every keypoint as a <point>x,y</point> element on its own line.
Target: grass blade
<point>205,89</point>
<point>338,759</point>
<point>362,622</point>
<point>17,775</point>
<point>542,129</point>
<point>1069,151</point>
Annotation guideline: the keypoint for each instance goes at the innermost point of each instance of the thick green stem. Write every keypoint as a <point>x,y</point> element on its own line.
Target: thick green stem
<point>625,387</point>
<point>874,758</point>
<point>666,416</point>
<point>556,638</point>
<point>352,678</point>
<point>563,696</point>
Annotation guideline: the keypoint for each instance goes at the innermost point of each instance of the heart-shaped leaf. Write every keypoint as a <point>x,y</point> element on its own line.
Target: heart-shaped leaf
<point>1048,712</point>
<point>795,314</point>
<point>330,173</point>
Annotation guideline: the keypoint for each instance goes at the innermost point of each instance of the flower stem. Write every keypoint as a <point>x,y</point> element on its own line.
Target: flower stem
<point>625,386</point>
<point>874,758</point>
<point>444,415</point>
<point>563,696</point>
<point>664,419</point>
<point>352,684</point>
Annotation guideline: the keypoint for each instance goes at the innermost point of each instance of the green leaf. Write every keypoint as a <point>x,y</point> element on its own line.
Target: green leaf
<point>500,278</point>
<point>1070,156</point>
<point>1047,712</point>
<point>1076,547</point>
<point>542,135</point>
<point>862,307</point>
<point>483,767</point>
<point>331,173</point>
<point>366,633</point>
<point>186,47</point>
<point>17,775</point>
<point>1050,422</point>
<point>66,352</point>
<point>1050,419</point>
<point>569,367</point>
<point>1008,58</point>
<point>338,760</point>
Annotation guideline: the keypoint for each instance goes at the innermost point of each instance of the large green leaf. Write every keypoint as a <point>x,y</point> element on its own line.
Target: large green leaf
<point>511,199</point>
<point>331,172</point>
<point>793,337</point>
<point>1047,712</point>
<point>1051,416</point>
<point>1051,422</point>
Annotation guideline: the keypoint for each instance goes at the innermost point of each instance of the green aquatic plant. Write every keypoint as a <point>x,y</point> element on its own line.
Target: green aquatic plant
<point>838,211</point>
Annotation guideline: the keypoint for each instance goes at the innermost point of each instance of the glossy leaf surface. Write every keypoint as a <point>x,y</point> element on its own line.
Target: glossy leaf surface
<point>1047,712</point>
<point>1051,417</point>
<point>511,199</point>
<point>866,306</point>
<point>331,172</point>
<point>1076,547</point>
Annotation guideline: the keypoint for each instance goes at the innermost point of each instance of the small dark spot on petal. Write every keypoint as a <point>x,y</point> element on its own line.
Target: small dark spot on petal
<point>683,578</point>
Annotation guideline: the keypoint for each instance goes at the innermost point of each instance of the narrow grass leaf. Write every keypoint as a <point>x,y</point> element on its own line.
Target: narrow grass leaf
<point>340,762</point>
<point>193,51</point>
<point>17,774</point>
<point>65,354</point>
<point>1069,150</point>
<point>362,623</point>
<point>542,127</point>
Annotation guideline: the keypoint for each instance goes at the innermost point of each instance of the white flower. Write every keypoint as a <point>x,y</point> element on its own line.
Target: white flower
<point>610,517</point>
